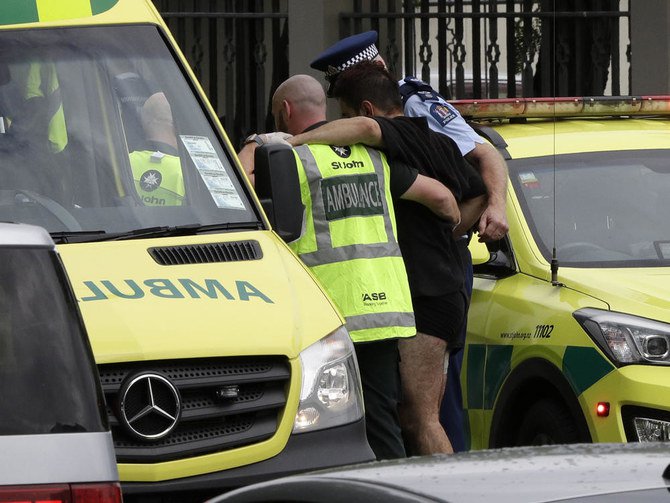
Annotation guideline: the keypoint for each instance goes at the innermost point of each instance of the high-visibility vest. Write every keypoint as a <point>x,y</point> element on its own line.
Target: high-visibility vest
<point>349,239</point>
<point>158,178</point>
<point>42,82</point>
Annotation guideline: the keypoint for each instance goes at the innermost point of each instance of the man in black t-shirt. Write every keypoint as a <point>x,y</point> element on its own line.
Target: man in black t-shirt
<point>431,254</point>
<point>299,104</point>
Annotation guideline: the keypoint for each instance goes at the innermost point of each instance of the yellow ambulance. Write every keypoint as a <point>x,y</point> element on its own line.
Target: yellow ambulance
<point>221,358</point>
<point>569,326</point>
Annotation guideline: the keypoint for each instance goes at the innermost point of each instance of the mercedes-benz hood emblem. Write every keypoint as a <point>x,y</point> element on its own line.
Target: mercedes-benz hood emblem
<point>150,406</point>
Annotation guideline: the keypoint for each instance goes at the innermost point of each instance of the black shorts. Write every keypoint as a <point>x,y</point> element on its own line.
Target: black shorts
<point>442,317</point>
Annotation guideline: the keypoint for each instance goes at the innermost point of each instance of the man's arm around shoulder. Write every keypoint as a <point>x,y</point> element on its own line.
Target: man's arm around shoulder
<point>343,132</point>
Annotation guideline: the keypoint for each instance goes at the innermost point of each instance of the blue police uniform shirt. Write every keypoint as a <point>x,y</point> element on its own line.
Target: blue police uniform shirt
<point>442,117</point>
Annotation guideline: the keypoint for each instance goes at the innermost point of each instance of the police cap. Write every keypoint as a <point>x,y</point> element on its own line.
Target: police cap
<point>345,53</point>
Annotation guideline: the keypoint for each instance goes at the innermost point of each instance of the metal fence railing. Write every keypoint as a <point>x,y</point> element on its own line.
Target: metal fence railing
<point>502,48</point>
<point>238,49</point>
<point>465,48</point>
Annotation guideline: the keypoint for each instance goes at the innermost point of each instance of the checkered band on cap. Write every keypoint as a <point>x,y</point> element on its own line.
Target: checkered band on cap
<point>367,54</point>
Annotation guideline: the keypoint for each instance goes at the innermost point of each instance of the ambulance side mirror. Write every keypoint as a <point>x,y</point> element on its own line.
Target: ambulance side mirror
<point>278,189</point>
<point>493,260</point>
<point>479,252</point>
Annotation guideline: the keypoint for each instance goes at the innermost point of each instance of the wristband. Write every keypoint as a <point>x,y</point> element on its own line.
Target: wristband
<point>254,138</point>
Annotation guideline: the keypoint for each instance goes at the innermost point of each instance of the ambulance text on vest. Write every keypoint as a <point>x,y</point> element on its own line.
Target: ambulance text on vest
<point>352,195</point>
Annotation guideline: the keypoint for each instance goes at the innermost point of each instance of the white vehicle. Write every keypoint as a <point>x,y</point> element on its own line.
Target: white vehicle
<point>55,442</point>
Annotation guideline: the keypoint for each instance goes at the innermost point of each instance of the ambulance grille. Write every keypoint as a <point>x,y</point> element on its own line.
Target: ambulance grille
<point>207,253</point>
<point>225,403</point>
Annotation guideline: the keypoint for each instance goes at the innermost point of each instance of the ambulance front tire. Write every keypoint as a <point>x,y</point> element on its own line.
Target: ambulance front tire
<point>548,422</point>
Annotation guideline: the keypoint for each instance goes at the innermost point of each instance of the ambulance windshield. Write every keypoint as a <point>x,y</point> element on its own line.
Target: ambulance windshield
<point>610,207</point>
<point>101,132</point>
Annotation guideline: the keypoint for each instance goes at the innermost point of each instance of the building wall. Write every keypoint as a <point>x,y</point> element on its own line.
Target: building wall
<point>650,51</point>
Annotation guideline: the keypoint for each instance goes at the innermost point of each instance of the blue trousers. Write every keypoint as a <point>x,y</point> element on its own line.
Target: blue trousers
<point>452,416</point>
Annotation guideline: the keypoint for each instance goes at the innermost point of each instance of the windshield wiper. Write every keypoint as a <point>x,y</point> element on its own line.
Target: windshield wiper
<point>75,236</point>
<point>183,230</point>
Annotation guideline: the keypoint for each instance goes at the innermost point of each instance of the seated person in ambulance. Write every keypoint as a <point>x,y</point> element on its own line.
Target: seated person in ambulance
<point>156,167</point>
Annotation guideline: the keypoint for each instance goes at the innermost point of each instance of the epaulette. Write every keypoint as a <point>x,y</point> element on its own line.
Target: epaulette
<point>412,86</point>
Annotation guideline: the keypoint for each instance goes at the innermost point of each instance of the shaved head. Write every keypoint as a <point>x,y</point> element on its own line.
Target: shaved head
<point>301,89</point>
<point>298,102</point>
<point>156,108</point>
<point>156,117</point>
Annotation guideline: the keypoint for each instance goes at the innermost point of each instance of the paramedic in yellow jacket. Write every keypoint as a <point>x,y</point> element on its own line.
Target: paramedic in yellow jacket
<point>39,117</point>
<point>349,242</point>
<point>156,168</point>
<point>43,83</point>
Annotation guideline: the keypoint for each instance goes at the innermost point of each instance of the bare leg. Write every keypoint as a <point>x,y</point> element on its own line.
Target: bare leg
<point>423,382</point>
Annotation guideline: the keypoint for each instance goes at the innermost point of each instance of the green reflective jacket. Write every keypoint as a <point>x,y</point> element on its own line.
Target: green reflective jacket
<point>158,178</point>
<point>349,239</point>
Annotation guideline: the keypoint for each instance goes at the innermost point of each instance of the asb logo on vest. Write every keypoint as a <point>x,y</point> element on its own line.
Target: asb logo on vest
<point>372,297</point>
<point>343,152</point>
<point>151,180</point>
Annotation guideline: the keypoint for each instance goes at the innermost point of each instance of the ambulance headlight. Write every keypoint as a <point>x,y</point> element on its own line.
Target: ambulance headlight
<point>626,338</point>
<point>331,392</point>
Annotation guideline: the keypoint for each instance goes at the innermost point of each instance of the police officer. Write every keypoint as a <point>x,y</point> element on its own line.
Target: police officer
<point>156,168</point>
<point>350,244</point>
<point>420,100</point>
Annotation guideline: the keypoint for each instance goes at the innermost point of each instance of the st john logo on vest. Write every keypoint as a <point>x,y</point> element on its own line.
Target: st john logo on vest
<point>343,152</point>
<point>353,195</point>
<point>151,180</point>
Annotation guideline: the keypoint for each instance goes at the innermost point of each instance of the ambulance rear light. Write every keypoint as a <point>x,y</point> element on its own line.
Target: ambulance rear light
<point>600,106</point>
<point>62,493</point>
